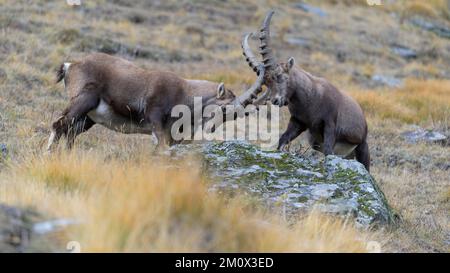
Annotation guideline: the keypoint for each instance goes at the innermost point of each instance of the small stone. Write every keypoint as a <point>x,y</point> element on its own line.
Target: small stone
<point>420,134</point>
<point>298,41</point>
<point>52,225</point>
<point>3,150</point>
<point>404,52</point>
<point>341,56</point>
<point>438,29</point>
<point>311,9</point>
<point>384,80</point>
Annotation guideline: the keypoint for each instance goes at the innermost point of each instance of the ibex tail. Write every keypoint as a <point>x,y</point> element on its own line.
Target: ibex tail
<point>61,72</point>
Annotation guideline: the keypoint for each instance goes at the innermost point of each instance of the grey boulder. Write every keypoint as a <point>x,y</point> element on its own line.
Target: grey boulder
<point>332,185</point>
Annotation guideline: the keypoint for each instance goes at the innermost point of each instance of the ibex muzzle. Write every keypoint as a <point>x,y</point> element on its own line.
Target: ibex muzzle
<point>335,121</point>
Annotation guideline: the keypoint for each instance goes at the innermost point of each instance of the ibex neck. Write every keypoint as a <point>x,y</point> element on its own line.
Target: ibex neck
<point>301,85</point>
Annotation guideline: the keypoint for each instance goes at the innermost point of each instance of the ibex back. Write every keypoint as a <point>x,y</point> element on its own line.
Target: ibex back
<point>117,94</point>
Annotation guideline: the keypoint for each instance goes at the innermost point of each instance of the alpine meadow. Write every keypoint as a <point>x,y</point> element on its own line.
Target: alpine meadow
<point>385,68</point>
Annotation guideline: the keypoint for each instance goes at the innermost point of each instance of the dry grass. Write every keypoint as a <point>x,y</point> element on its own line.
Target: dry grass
<point>419,102</point>
<point>344,2</point>
<point>235,78</point>
<point>431,8</point>
<point>425,222</point>
<point>139,206</point>
<point>36,36</point>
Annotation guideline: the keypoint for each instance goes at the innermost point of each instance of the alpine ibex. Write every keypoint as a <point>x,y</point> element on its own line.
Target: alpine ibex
<point>335,121</point>
<point>117,94</point>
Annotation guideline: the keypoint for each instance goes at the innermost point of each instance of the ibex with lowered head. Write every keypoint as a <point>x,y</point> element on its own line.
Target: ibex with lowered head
<point>335,121</point>
<point>117,94</point>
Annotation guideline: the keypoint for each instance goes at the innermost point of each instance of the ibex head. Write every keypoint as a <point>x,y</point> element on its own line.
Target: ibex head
<point>224,96</point>
<point>276,75</point>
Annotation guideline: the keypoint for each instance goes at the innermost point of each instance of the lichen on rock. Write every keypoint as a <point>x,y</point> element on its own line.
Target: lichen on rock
<point>332,185</point>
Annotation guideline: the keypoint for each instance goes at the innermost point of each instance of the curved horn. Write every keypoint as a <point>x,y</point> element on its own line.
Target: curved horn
<point>252,93</point>
<point>248,54</point>
<point>265,50</point>
<point>262,98</point>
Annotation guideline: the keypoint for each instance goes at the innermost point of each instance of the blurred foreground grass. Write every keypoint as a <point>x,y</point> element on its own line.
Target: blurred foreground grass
<point>142,206</point>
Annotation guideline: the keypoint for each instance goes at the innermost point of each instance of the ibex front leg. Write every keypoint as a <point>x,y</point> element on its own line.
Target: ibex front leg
<point>294,129</point>
<point>69,123</point>
<point>329,138</point>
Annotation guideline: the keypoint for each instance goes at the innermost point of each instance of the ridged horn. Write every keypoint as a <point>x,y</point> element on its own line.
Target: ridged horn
<point>252,93</point>
<point>265,48</point>
<point>248,54</point>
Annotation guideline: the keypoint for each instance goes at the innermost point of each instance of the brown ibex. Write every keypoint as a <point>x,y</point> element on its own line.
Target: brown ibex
<point>335,121</point>
<point>119,95</point>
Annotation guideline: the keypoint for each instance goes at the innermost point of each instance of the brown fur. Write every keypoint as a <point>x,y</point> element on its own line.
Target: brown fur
<point>335,121</point>
<point>60,73</point>
<point>145,98</point>
<point>330,116</point>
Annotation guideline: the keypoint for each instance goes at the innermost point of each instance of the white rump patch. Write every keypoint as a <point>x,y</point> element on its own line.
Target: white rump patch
<point>104,114</point>
<point>66,67</point>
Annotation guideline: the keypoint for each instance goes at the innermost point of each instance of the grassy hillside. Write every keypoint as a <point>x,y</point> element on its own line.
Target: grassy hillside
<point>352,45</point>
<point>139,206</point>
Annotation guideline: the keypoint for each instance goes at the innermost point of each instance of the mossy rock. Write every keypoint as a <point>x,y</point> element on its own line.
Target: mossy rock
<point>16,230</point>
<point>24,229</point>
<point>332,185</point>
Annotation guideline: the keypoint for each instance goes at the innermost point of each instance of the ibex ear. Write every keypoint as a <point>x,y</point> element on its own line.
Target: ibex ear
<point>290,63</point>
<point>221,90</point>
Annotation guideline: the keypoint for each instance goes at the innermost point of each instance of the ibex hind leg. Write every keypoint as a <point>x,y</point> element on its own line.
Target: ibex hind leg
<point>52,140</point>
<point>155,117</point>
<point>363,155</point>
<point>80,126</point>
<point>78,108</point>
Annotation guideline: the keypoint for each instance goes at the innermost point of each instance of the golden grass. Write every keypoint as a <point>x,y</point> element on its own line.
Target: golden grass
<point>29,102</point>
<point>140,206</point>
<point>345,2</point>
<point>417,102</point>
<point>406,8</point>
<point>432,8</point>
<point>229,77</point>
<point>446,196</point>
<point>422,216</point>
<point>424,69</point>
